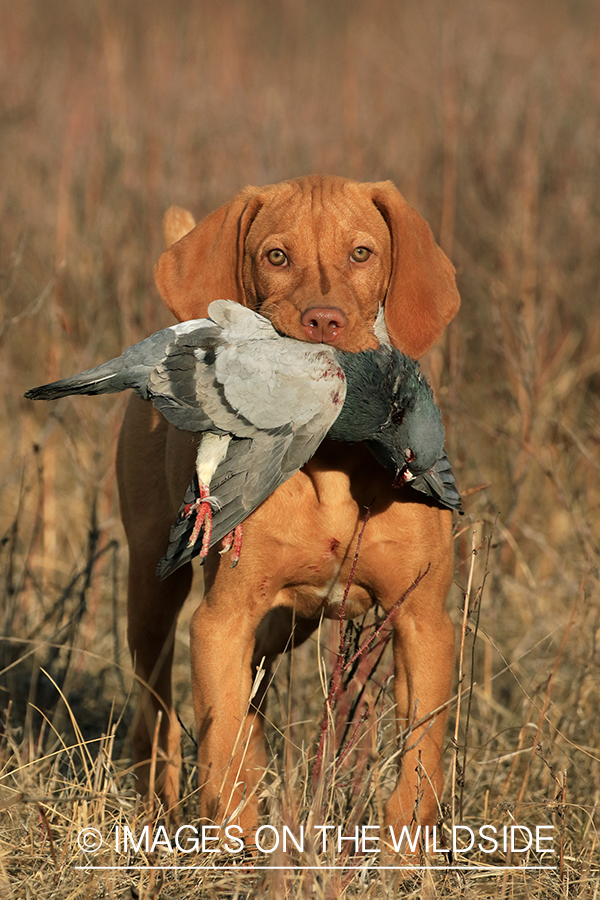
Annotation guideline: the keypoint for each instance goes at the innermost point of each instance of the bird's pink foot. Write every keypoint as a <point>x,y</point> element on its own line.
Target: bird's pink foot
<point>203,509</point>
<point>233,539</point>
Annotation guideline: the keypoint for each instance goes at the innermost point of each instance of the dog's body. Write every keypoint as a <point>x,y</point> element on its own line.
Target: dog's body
<point>317,256</point>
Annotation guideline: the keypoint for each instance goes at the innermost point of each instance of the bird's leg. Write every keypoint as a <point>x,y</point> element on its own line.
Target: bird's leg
<point>233,539</point>
<point>211,452</point>
<point>202,506</point>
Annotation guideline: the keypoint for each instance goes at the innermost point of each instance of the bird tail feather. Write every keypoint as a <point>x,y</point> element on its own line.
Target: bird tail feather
<point>107,378</point>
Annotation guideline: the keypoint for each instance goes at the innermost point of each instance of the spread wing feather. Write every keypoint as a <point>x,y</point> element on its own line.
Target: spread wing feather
<point>251,471</point>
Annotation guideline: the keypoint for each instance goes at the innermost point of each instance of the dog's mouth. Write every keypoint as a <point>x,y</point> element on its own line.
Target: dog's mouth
<point>344,330</point>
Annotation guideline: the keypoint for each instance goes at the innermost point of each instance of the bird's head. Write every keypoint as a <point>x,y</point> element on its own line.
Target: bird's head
<point>412,438</point>
<point>420,441</point>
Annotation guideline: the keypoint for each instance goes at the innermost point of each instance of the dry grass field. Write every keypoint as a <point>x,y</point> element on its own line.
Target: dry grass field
<point>486,115</point>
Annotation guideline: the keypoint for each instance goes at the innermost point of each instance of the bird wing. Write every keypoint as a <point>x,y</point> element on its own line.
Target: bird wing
<point>232,374</point>
<point>251,471</point>
<point>240,323</point>
<point>249,378</point>
<point>182,386</point>
<point>275,396</point>
<point>439,484</point>
<point>279,381</point>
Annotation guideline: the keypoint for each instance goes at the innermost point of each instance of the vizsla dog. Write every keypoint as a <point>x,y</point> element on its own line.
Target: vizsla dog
<point>317,256</point>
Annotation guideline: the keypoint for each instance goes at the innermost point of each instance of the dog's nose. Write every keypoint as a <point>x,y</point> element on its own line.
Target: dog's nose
<point>323,324</point>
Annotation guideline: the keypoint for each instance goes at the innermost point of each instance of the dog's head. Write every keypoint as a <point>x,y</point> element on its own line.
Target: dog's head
<point>317,256</point>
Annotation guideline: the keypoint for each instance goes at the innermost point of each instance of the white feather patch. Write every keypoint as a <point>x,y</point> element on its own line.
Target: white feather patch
<point>211,452</point>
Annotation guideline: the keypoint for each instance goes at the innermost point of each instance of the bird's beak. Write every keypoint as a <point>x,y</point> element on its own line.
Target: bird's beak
<point>403,476</point>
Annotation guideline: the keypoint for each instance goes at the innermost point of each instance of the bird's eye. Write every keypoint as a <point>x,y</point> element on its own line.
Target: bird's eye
<point>409,456</point>
<point>360,254</point>
<point>277,257</point>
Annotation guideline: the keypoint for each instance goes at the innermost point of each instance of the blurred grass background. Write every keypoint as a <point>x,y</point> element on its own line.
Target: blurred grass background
<point>485,113</point>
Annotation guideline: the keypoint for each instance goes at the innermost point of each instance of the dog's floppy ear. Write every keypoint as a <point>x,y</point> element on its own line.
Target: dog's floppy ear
<point>422,296</point>
<point>206,263</point>
<point>177,222</point>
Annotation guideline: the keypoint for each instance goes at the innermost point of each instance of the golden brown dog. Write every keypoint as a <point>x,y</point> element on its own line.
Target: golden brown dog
<point>317,256</point>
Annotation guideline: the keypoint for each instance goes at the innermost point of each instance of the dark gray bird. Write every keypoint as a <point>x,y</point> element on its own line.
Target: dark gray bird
<point>390,407</point>
<point>263,403</point>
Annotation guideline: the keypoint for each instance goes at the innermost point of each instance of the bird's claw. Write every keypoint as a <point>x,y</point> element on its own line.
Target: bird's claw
<point>233,539</point>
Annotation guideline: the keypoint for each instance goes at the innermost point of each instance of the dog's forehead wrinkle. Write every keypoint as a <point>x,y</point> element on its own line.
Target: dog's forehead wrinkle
<point>317,225</point>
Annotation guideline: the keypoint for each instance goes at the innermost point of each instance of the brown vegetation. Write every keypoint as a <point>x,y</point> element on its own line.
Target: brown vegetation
<point>486,114</point>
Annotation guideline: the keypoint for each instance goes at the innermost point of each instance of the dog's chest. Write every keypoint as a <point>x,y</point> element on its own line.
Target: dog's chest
<point>312,602</point>
<point>322,568</point>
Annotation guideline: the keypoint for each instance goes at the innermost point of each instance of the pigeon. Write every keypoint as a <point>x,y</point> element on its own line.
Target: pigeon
<point>389,406</point>
<point>263,403</point>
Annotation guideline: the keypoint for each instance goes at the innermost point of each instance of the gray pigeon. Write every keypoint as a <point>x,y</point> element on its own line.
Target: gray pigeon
<point>263,403</point>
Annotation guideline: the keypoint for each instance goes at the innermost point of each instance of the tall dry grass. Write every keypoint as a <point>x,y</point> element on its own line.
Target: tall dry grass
<point>486,116</point>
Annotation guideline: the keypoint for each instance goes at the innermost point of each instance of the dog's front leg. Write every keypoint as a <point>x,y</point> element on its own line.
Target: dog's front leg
<point>231,754</point>
<point>424,667</point>
<point>423,646</point>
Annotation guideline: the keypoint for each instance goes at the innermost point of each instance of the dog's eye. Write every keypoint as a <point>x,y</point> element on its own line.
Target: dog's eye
<point>277,257</point>
<point>360,254</point>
